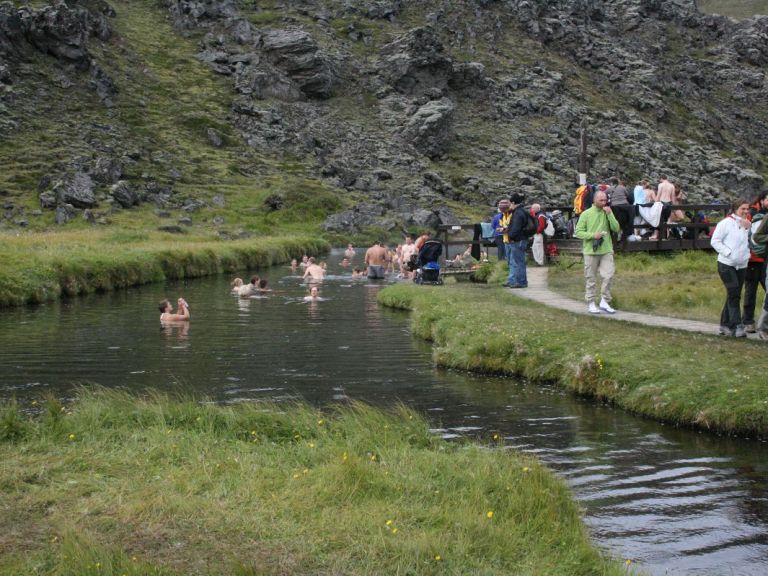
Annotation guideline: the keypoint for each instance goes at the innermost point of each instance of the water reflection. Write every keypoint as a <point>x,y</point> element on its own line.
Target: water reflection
<point>672,500</point>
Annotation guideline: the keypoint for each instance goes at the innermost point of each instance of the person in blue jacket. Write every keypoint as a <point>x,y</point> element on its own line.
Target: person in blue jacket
<point>498,235</point>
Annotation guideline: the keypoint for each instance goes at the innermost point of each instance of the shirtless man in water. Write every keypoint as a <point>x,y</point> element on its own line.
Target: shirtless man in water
<point>314,271</point>
<point>376,260</point>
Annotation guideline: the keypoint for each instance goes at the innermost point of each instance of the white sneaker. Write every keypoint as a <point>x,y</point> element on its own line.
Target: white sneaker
<point>593,309</point>
<point>605,307</point>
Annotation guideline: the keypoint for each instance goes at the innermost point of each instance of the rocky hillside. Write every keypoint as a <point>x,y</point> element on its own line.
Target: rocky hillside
<point>239,116</point>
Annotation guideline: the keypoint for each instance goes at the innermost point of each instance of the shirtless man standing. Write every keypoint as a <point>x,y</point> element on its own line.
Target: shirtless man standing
<point>664,194</point>
<point>314,272</point>
<point>376,260</point>
<point>666,190</point>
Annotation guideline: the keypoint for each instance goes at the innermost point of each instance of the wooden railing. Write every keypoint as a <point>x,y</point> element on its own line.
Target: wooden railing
<point>697,239</point>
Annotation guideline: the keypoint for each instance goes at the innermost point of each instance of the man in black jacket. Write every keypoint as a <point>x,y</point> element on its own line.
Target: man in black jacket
<point>517,243</point>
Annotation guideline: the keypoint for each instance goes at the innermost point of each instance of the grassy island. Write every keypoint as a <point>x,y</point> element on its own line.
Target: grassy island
<point>115,484</point>
<point>41,267</point>
<point>686,379</point>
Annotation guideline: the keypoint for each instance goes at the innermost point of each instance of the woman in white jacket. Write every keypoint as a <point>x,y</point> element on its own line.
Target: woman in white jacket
<point>731,241</point>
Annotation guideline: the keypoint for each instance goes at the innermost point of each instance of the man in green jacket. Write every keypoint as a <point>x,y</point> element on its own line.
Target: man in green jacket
<point>594,227</point>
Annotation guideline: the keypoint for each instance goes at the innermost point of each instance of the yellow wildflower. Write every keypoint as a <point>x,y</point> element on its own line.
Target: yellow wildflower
<point>344,456</point>
<point>295,476</point>
<point>394,530</point>
<point>388,522</point>
<point>321,422</point>
<point>438,557</point>
<point>71,436</point>
<point>489,514</point>
<point>311,444</point>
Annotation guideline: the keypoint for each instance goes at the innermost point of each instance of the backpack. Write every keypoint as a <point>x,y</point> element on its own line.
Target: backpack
<point>758,250</point>
<point>531,225</point>
<point>578,200</point>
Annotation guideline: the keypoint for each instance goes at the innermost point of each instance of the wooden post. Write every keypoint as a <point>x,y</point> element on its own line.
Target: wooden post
<point>583,159</point>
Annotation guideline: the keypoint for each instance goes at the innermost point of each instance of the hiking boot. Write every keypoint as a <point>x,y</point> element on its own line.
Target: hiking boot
<point>740,332</point>
<point>750,328</point>
<point>593,309</point>
<point>605,307</point>
<point>724,331</point>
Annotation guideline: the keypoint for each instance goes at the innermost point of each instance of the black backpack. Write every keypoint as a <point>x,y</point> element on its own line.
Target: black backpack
<point>531,225</point>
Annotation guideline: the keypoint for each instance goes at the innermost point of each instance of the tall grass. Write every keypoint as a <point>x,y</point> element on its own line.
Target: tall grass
<point>734,8</point>
<point>687,379</point>
<point>40,267</point>
<point>126,485</point>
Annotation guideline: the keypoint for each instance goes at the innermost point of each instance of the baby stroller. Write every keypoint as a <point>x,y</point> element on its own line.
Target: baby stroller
<point>428,271</point>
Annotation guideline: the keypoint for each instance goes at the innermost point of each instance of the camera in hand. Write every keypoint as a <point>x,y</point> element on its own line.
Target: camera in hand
<point>596,243</point>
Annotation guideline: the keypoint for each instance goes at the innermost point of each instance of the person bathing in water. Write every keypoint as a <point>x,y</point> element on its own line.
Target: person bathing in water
<point>246,290</point>
<point>314,272</point>
<point>236,285</point>
<point>263,286</point>
<point>314,294</point>
<point>166,311</point>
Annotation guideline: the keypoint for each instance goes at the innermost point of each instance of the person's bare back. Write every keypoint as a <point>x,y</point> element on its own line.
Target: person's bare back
<point>314,272</point>
<point>376,255</point>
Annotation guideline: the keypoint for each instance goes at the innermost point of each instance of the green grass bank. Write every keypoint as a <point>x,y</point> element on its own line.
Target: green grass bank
<point>38,267</point>
<point>685,379</point>
<point>117,484</point>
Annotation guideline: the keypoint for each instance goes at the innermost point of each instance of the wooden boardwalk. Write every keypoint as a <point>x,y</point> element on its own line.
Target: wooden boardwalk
<point>539,291</point>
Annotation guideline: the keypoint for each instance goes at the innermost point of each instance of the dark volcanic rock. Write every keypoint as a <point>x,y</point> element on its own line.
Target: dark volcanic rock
<point>63,31</point>
<point>65,213</point>
<point>107,170</point>
<point>124,194</point>
<point>416,62</point>
<point>188,13</point>
<point>11,30</point>
<point>214,137</point>
<point>297,54</point>
<point>77,190</point>
<point>429,129</point>
<point>48,200</point>
<point>751,41</point>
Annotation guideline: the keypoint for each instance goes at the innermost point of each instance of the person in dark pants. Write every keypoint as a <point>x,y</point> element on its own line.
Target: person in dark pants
<point>516,242</point>
<point>755,274</point>
<point>731,242</point>
<point>498,235</point>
